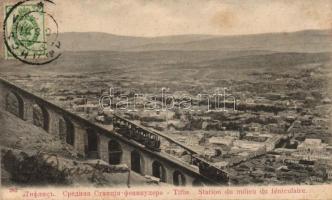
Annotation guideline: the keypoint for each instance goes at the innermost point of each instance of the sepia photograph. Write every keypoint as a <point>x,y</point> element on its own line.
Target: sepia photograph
<point>167,99</point>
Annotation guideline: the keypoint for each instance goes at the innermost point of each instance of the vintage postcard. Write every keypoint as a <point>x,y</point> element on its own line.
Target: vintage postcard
<point>165,99</point>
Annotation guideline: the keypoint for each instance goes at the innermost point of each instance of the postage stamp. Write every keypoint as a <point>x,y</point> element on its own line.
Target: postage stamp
<point>30,33</point>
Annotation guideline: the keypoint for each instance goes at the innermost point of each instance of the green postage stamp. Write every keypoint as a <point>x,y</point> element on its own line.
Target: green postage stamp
<point>25,31</point>
<point>31,32</point>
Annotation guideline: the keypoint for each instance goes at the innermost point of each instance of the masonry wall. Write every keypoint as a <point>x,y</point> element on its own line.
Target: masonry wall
<point>80,137</point>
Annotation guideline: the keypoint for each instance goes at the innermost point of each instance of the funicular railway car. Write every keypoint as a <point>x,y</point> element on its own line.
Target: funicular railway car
<point>137,133</point>
<point>210,171</point>
<point>151,141</point>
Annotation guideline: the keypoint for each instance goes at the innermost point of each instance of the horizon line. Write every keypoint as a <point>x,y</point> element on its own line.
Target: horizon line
<point>201,34</point>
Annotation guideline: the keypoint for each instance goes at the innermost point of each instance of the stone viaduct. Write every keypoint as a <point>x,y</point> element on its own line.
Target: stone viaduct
<point>96,142</point>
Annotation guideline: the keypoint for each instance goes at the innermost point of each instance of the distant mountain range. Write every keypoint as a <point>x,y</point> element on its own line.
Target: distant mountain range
<point>301,41</point>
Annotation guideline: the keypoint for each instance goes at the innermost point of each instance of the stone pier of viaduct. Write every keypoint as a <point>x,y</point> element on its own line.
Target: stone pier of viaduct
<point>95,142</point>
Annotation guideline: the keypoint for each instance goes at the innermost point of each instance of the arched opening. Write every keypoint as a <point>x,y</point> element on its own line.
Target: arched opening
<point>179,179</point>
<point>92,144</point>
<point>114,152</point>
<point>15,104</point>
<point>66,131</point>
<point>159,171</point>
<point>197,183</point>
<point>136,162</point>
<point>40,117</point>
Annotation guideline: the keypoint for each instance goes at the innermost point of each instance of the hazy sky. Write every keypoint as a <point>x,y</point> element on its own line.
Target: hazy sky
<point>171,17</point>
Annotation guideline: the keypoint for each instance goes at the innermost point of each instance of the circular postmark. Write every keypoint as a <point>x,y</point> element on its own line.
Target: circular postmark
<point>30,33</point>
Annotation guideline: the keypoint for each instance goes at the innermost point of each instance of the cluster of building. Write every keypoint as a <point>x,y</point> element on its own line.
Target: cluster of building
<point>311,152</point>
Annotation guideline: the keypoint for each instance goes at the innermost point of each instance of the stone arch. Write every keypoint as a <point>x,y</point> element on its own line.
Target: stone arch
<point>66,131</point>
<point>15,104</point>
<point>137,162</point>
<point>92,144</point>
<point>179,179</point>
<point>40,116</point>
<point>158,170</point>
<point>114,152</point>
